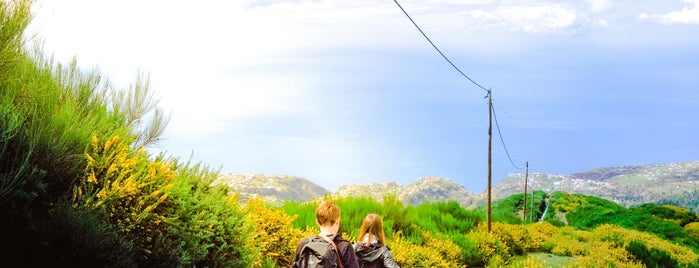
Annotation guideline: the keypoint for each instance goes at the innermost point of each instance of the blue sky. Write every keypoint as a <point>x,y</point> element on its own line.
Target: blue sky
<point>342,92</point>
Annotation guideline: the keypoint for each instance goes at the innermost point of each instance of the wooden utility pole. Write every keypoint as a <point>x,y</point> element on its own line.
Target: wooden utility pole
<point>531,214</point>
<point>490,142</point>
<point>526,177</point>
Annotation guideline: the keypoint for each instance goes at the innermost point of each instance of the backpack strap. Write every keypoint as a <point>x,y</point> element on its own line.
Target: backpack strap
<point>339,261</point>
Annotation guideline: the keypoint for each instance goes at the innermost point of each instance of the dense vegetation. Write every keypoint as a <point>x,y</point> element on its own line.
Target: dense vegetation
<point>587,212</point>
<point>78,189</point>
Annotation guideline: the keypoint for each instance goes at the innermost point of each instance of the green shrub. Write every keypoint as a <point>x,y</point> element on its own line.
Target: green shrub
<point>205,226</point>
<point>446,218</point>
<point>650,258</point>
<point>81,238</point>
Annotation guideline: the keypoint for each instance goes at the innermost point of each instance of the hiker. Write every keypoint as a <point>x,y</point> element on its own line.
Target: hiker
<point>327,249</point>
<point>371,246</point>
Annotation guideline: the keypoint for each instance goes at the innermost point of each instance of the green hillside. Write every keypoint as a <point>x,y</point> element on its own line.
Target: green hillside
<point>78,189</point>
<point>588,212</point>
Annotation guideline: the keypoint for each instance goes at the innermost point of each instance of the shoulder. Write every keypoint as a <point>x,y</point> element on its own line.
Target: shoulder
<point>304,241</point>
<point>339,240</point>
<point>342,244</point>
<point>346,251</point>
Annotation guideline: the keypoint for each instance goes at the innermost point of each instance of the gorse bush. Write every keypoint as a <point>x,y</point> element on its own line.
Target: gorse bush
<point>650,258</point>
<point>588,212</point>
<point>274,234</point>
<point>120,183</point>
<point>170,211</point>
<point>692,229</point>
<point>622,237</point>
<point>567,241</point>
<point>606,254</point>
<point>431,253</point>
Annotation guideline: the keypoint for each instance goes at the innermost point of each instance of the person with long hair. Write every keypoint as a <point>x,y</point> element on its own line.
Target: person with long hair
<point>371,246</point>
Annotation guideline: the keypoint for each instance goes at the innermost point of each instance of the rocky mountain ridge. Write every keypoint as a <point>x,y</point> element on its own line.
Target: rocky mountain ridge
<point>673,183</point>
<point>426,189</point>
<point>273,189</point>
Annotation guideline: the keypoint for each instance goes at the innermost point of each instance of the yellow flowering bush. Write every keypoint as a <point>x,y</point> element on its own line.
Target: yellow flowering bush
<point>432,253</point>
<point>682,254</point>
<point>568,242</point>
<point>489,244</point>
<point>274,233</point>
<point>693,229</point>
<point>606,254</point>
<point>446,248</point>
<point>530,262</point>
<point>514,236</point>
<point>568,202</point>
<point>125,186</point>
<point>538,234</point>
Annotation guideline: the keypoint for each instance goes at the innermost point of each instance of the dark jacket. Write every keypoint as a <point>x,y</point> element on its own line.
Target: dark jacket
<point>374,256</point>
<point>344,247</point>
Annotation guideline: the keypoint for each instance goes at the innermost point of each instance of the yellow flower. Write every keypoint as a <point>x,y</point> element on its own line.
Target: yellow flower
<point>95,143</point>
<point>111,142</point>
<point>102,194</point>
<point>90,160</point>
<point>111,169</point>
<point>92,178</point>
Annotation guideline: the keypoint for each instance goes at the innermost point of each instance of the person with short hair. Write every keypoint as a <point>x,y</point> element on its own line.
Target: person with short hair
<point>370,247</point>
<point>328,221</point>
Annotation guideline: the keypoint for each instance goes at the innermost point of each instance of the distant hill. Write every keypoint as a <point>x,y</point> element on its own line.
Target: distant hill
<point>277,189</point>
<point>673,183</point>
<point>426,189</point>
<point>374,190</point>
<point>273,189</point>
<point>434,189</point>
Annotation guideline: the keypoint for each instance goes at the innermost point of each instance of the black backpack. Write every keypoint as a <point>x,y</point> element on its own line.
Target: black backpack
<point>318,252</point>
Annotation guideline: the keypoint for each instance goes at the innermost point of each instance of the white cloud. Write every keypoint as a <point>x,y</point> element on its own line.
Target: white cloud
<point>688,15</point>
<point>600,6</point>
<point>538,19</point>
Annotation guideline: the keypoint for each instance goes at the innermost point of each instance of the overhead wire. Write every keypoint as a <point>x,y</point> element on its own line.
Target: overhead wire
<point>464,75</point>
<point>497,125</point>
<point>435,47</point>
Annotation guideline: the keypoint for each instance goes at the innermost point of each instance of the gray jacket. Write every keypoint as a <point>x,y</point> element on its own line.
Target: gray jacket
<point>374,256</point>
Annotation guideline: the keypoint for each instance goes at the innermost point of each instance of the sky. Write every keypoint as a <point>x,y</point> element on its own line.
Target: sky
<point>342,92</point>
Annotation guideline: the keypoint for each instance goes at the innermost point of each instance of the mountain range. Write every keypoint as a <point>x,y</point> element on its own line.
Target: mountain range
<point>672,183</point>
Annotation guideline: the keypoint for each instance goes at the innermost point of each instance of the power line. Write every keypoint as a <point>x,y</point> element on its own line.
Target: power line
<point>501,139</point>
<point>435,47</point>
<point>491,113</point>
<point>464,75</point>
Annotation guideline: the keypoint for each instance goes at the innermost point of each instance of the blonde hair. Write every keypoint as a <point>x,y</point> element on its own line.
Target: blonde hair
<point>372,225</point>
<point>327,213</point>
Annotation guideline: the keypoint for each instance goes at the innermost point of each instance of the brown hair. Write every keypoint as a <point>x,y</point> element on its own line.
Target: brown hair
<point>327,213</point>
<point>373,225</point>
